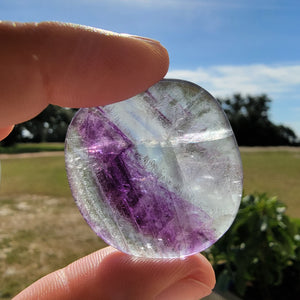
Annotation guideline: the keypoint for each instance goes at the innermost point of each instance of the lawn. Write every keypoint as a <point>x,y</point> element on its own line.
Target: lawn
<point>39,234</point>
<point>275,172</point>
<point>36,176</point>
<point>41,229</point>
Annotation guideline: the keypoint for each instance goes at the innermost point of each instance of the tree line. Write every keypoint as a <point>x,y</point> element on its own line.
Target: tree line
<point>248,116</point>
<point>249,119</point>
<point>49,126</point>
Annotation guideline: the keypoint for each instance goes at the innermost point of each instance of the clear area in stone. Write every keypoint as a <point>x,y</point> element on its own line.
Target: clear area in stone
<point>158,175</point>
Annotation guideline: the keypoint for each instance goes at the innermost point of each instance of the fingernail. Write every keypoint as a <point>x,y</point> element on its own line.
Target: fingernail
<point>141,38</point>
<point>10,23</point>
<point>186,289</point>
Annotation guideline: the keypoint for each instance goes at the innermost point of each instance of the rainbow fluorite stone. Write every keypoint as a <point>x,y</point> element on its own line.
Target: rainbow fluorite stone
<point>158,175</point>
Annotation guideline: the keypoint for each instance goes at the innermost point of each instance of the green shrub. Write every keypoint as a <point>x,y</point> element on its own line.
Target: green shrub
<point>259,256</point>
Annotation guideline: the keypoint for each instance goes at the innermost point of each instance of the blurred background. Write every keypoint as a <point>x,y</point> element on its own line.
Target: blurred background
<point>246,54</point>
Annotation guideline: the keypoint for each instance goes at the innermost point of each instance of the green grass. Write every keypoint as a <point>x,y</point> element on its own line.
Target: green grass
<point>38,176</point>
<point>37,238</point>
<point>275,172</point>
<point>32,147</point>
<point>41,229</point>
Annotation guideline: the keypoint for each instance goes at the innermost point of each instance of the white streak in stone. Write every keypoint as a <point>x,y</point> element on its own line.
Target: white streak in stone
<point>204,136</point>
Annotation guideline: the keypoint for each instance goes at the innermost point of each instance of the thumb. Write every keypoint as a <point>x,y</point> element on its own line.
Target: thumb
<point>110,274</point>
<point>4,132</point>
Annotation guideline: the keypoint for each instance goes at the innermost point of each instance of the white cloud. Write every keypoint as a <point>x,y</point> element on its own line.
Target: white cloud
<point>247,79</point>
<point>280,82</point>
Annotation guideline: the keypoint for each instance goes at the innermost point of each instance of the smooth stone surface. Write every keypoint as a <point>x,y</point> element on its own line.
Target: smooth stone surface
<point>158,175</point>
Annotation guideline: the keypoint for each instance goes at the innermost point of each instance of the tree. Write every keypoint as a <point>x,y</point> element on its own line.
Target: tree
<point>249,118</point>
<point>49,126</point>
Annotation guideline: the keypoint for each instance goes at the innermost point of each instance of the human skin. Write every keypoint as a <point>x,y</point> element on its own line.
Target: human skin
<point>78,66</point>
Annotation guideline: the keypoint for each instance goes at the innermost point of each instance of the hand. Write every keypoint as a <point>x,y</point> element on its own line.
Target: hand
<point>71,66</point>
<point>76,66</point>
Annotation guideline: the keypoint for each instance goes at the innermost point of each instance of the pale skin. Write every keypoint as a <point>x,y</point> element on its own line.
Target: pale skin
<point>75,66</point>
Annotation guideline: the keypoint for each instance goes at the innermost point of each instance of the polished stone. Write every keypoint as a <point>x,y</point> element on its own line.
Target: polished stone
<point>157,175</point>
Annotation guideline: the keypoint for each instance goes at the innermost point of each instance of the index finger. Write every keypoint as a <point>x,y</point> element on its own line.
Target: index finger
<point>71,66</point>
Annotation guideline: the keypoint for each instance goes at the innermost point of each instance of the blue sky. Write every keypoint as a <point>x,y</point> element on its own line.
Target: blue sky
<point>226,46</point>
